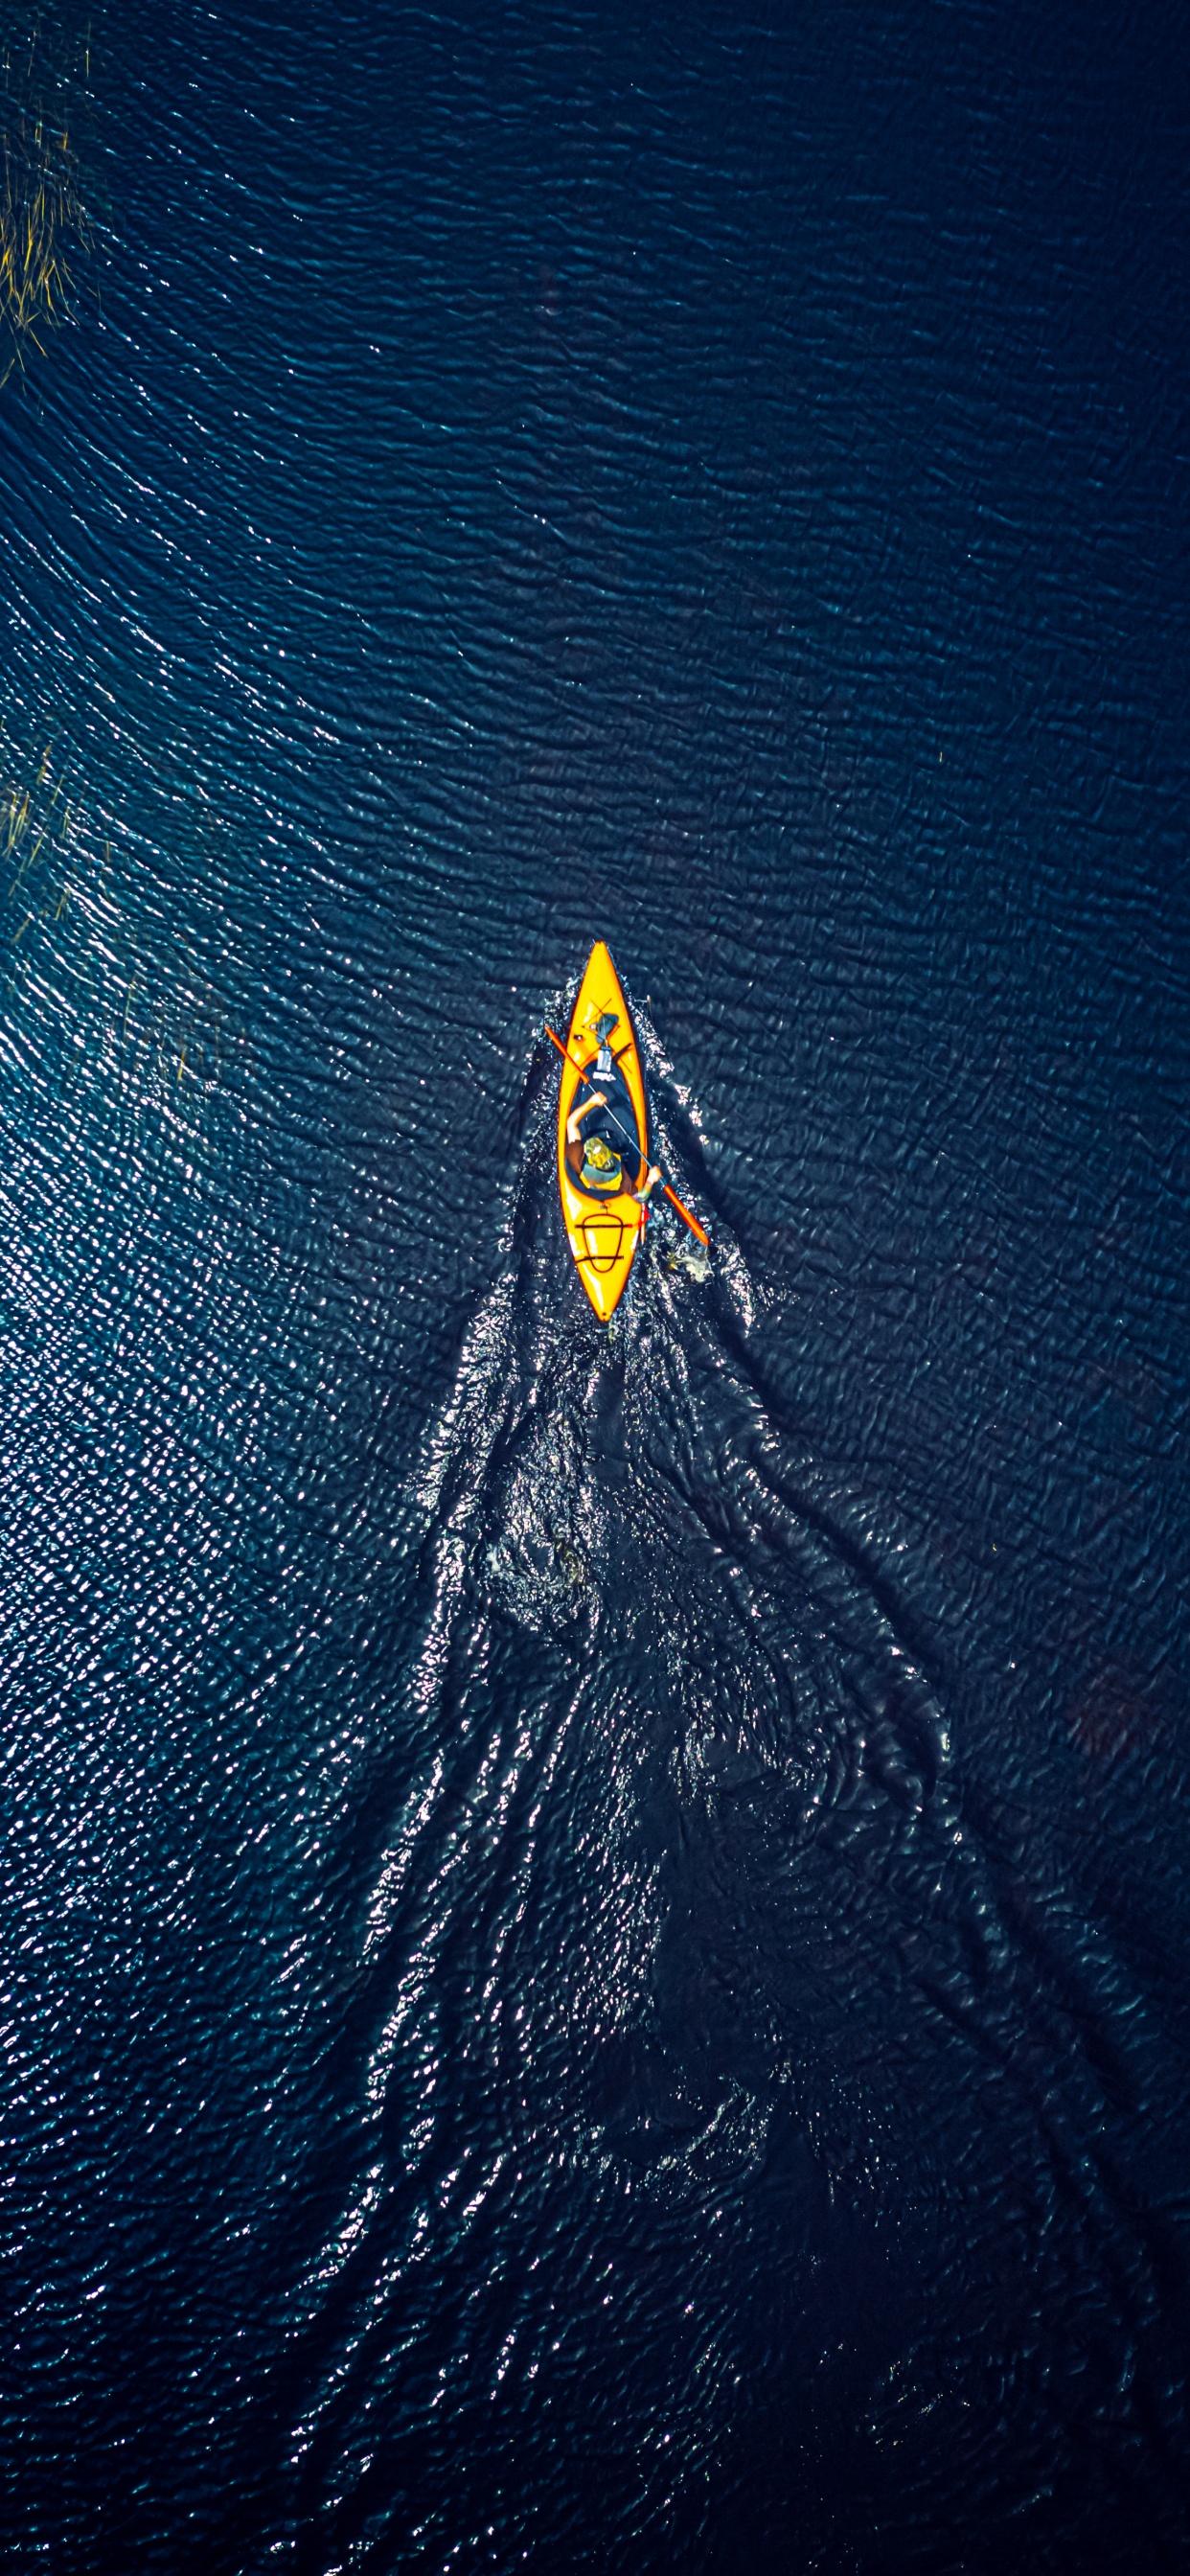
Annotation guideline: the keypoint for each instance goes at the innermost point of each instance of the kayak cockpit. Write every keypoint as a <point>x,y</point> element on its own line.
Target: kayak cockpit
<point>614,1123</point>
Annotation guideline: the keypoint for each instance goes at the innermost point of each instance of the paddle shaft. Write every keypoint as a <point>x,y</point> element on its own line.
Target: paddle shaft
<point>671,1194</point>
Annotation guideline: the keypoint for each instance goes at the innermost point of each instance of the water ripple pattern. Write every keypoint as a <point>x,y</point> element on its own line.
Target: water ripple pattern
<point>593,1927</point>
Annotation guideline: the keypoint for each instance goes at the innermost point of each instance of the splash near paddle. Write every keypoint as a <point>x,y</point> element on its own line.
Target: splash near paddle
<point>605,1159</point>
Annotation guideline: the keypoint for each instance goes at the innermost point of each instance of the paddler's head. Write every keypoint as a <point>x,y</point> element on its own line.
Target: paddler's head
<point>600,1165</point>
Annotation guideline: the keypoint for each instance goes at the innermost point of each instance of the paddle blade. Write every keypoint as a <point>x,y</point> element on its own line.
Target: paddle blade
<point>684,1213</point>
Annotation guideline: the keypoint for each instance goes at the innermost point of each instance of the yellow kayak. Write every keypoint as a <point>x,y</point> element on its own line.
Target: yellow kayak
<point>602,1142</point>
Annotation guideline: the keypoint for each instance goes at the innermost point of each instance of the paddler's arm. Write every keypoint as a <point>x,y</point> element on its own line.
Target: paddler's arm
<point>575,1120</point>
<point>648,1185</point>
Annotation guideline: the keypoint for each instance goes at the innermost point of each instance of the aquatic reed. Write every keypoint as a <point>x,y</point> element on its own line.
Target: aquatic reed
<point>73,935</point>
<point>45,228</point>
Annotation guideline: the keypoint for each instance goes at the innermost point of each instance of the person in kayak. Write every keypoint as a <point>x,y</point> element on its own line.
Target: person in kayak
<point>602,1166</point>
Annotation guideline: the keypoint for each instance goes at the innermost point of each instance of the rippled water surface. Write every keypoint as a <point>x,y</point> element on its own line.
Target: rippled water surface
<point>594,1933</point>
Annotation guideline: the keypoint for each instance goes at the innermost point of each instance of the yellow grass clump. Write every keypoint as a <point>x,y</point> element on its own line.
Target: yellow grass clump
<point>45,229</point>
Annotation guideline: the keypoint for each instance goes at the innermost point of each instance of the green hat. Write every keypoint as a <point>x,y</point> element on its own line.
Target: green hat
<point>606,1022</point>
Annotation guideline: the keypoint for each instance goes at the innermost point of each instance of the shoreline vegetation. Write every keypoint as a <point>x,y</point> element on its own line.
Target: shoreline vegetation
<point>46,230</point>
<point>82,941</point>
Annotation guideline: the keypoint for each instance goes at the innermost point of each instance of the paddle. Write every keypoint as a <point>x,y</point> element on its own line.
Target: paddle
<point>671,1195</point>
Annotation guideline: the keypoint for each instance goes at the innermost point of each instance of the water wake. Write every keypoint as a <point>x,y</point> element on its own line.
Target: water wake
<point>664,1738</point>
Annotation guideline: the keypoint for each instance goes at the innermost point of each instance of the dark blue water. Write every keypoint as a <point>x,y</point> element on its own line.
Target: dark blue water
<point>595,1932</point>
